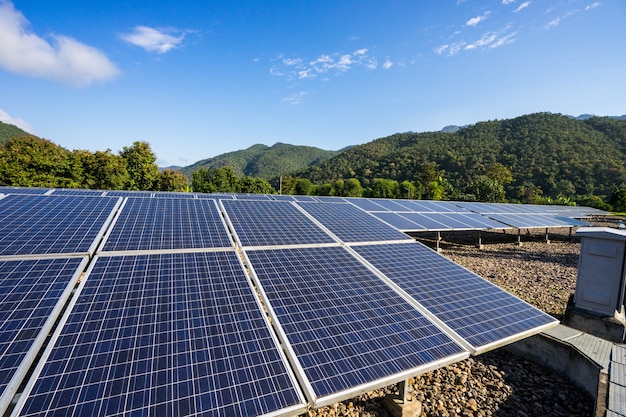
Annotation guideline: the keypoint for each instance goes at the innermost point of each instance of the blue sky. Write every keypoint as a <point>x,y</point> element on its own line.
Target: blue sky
<point>197,79</point>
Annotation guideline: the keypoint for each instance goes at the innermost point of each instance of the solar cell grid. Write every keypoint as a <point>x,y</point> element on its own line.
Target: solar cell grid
<point>164,335</point>
<point>167,224</point>
<point>366,204</point>
<point>272,223</point>
<point>31,293</point>
<point>397,221</point>
<point>52,224</point>
<point>346,327</point>
<point>480,312</point>
<point>24,190</point>
<point>351,224</point>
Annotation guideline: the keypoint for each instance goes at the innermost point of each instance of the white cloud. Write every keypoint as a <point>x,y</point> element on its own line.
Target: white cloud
<point>388,64</point>
<point>491,40</point>
<point>296,98</point>
<point>328,64</point>
<point>153,40</point>
<point>64,60</point>
<point>593,6</point>
<point>476,20</point>
<point>522,6</point>
<point>7,118</point>
<point>554,23</point>
<point>508,1</point>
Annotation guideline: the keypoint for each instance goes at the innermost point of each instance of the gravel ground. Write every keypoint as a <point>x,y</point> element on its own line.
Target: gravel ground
<point>497,383</point>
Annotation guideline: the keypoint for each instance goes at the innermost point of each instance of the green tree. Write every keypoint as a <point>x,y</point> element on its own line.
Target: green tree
<point>618,199</point>
<point>352,188</point>
<point>255,186</point>
<point>487,190</point>
<point>143,172</point>
<point>102,170</point>
<point>172,180</point>
<point>384,188</point>
<point>29,161</point>
<point>303,186</point>
<point>200,181</point>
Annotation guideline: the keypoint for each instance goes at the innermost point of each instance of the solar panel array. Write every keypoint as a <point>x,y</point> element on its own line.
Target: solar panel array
<point>32,293</point>
<point>170,318</point>
<point>164,334</point>
<point>166,224</point>
<point>48,225</point>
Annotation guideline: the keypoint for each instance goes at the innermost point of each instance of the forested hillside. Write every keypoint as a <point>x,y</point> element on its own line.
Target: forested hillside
<point>7,131</point>
<point>547,154</point>
<point>265,161</point>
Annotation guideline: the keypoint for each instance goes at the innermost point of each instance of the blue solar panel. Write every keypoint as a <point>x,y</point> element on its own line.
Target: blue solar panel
<point>174,195</point>
<point>78,191</point>
<point>397,221</point>
<point>166,224</point>
<point>477,221</point>
<point>163,335</point>
<point>23,190</point>
<point>32,294</point>
<point>346,327</point>
<point>424,221</point>
<point>129,193</point>
<point>367,204</point>
<point>536,220</point>
<point>272,223</point>
<point>261,197</point>
<point>351,224</point>
<point>478,311</point>
<point>53,225</point>
<point>391,205</point>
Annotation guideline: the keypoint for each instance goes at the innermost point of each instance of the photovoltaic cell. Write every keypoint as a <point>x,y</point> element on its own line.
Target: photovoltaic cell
<point>32,293</point>
<point>23,190</point>
<point>351,224</point>
<point>52,225</point>
<point>174,195</point>
<point>167,223</point>
<point>347,328</point>
<point>480,312</point>
<point>78,191</point>
<point>272,223</point>
<point>163,335</point>
<point>367,204</point>
<point>129,193</point>
<point>397,221</point>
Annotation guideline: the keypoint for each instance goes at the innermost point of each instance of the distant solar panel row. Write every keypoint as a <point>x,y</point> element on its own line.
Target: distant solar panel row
<point>32,293</point>
<point>164,335</point>
<point>48,225</point>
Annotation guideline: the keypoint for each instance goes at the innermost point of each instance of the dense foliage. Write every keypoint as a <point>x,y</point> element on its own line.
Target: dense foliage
<point>265,161</point>
<point>549,156</point>
<point>28,161</point>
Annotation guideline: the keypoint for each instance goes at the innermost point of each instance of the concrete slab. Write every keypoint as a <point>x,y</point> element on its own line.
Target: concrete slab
<point>599,350</point>
<point>562,332</point>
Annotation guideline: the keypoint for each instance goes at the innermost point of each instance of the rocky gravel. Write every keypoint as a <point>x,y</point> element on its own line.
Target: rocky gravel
<point>497,383</point>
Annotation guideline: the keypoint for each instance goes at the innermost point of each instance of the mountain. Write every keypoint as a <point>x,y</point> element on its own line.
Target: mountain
<point>265,161</point>
<point>8,131</point>
<point>559,154</point>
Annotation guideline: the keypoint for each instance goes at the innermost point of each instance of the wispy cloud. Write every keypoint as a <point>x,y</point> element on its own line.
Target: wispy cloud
<point>387,64</point>
<point>154,40</point>
<point>63,60</point>
<point>296,98</point>
<point>508,1</point>
<point>324,65</point>
<point>593,6</point>
<point>489,40</point>
<point>522,6</point>
<point>21,123</point>
<point>474,21</point>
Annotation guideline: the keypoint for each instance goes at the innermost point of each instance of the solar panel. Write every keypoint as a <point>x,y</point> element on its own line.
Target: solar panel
<point>448,220</point>
<point>481,313</point>
<point>252,197</point>
<point>426,222</point>
<point>53,225</point>
<point>347,330</point>
<point>24,190</point>
<point>167,224</point>
<point>351,224</point>
<point>78,191</point>
<point>477,221</point>
<point>32,294</point>
<point>163,335</point>
<point>527,221</point>
<point>397,221</point>
<point>366,204</point>
<point>174,195</point>
<point>129,193</point>
<point>272,223</point>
